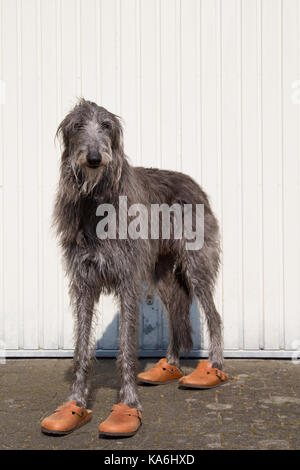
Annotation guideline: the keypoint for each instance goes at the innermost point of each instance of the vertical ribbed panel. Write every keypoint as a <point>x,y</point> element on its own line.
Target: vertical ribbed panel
<point>208,87</point>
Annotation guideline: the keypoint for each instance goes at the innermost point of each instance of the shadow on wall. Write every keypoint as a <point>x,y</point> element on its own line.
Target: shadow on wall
<point>153,331</point>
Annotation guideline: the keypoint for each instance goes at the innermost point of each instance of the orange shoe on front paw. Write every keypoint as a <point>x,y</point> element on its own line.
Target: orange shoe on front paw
<point>123,421</point>
<point>204,376</point>
<point>65,419</point>
<point>161,373</point>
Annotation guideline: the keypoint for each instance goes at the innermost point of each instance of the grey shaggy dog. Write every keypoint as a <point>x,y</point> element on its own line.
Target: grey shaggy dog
<point>95,170</point>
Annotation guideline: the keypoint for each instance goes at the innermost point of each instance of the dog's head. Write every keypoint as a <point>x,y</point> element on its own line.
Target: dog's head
<point>93,142</point>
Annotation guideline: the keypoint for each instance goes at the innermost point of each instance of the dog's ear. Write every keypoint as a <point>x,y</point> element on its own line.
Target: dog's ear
<point>117,138</point>
<point>70,124</point>
<point>64,130</point>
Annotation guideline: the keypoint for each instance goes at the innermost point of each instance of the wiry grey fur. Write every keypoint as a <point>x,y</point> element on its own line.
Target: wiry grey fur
<point>121,266</point>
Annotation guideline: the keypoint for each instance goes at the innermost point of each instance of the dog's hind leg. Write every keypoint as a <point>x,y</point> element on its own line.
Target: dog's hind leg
<point>176,298</point>
<point>201,271</point>
<point>127,359</point>
<point>214,324</point>
<point>83,297</point>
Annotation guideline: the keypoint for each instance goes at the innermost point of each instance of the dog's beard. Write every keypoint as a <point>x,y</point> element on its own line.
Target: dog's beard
<point>91,179</point>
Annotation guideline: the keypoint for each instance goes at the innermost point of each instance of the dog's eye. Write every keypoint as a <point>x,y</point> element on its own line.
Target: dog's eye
<point>77,126</point>
<point>106,125</point>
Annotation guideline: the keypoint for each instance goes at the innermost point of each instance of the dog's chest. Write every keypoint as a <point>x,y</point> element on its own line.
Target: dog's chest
<point>89,219</point>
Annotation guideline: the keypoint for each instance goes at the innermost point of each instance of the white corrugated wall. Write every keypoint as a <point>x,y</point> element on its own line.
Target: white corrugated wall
<point>208,87</point>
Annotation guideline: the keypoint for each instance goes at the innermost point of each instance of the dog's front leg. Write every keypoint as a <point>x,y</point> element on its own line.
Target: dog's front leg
<point>126,417</point>
<point>83,299</point>
<point>74,413</point>
<point>127,359</point>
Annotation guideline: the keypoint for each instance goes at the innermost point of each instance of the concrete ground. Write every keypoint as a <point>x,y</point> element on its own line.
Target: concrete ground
<point>259,408</point>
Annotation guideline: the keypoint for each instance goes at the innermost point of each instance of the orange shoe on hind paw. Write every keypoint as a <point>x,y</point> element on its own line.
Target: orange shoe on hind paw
<point>204,376</point>
<point>160,374</point>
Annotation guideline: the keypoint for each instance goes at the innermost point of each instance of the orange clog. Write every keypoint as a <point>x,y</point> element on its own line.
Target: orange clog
<point>123,421</point>
<point>160,374</point>
<point>65,419</point>
<point>204,376</point>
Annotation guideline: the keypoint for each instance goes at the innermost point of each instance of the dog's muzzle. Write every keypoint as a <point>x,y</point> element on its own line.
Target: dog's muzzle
<point>93,159</point>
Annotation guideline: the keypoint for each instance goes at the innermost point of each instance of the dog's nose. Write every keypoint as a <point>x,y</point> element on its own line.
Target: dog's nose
<point>93,159</point>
